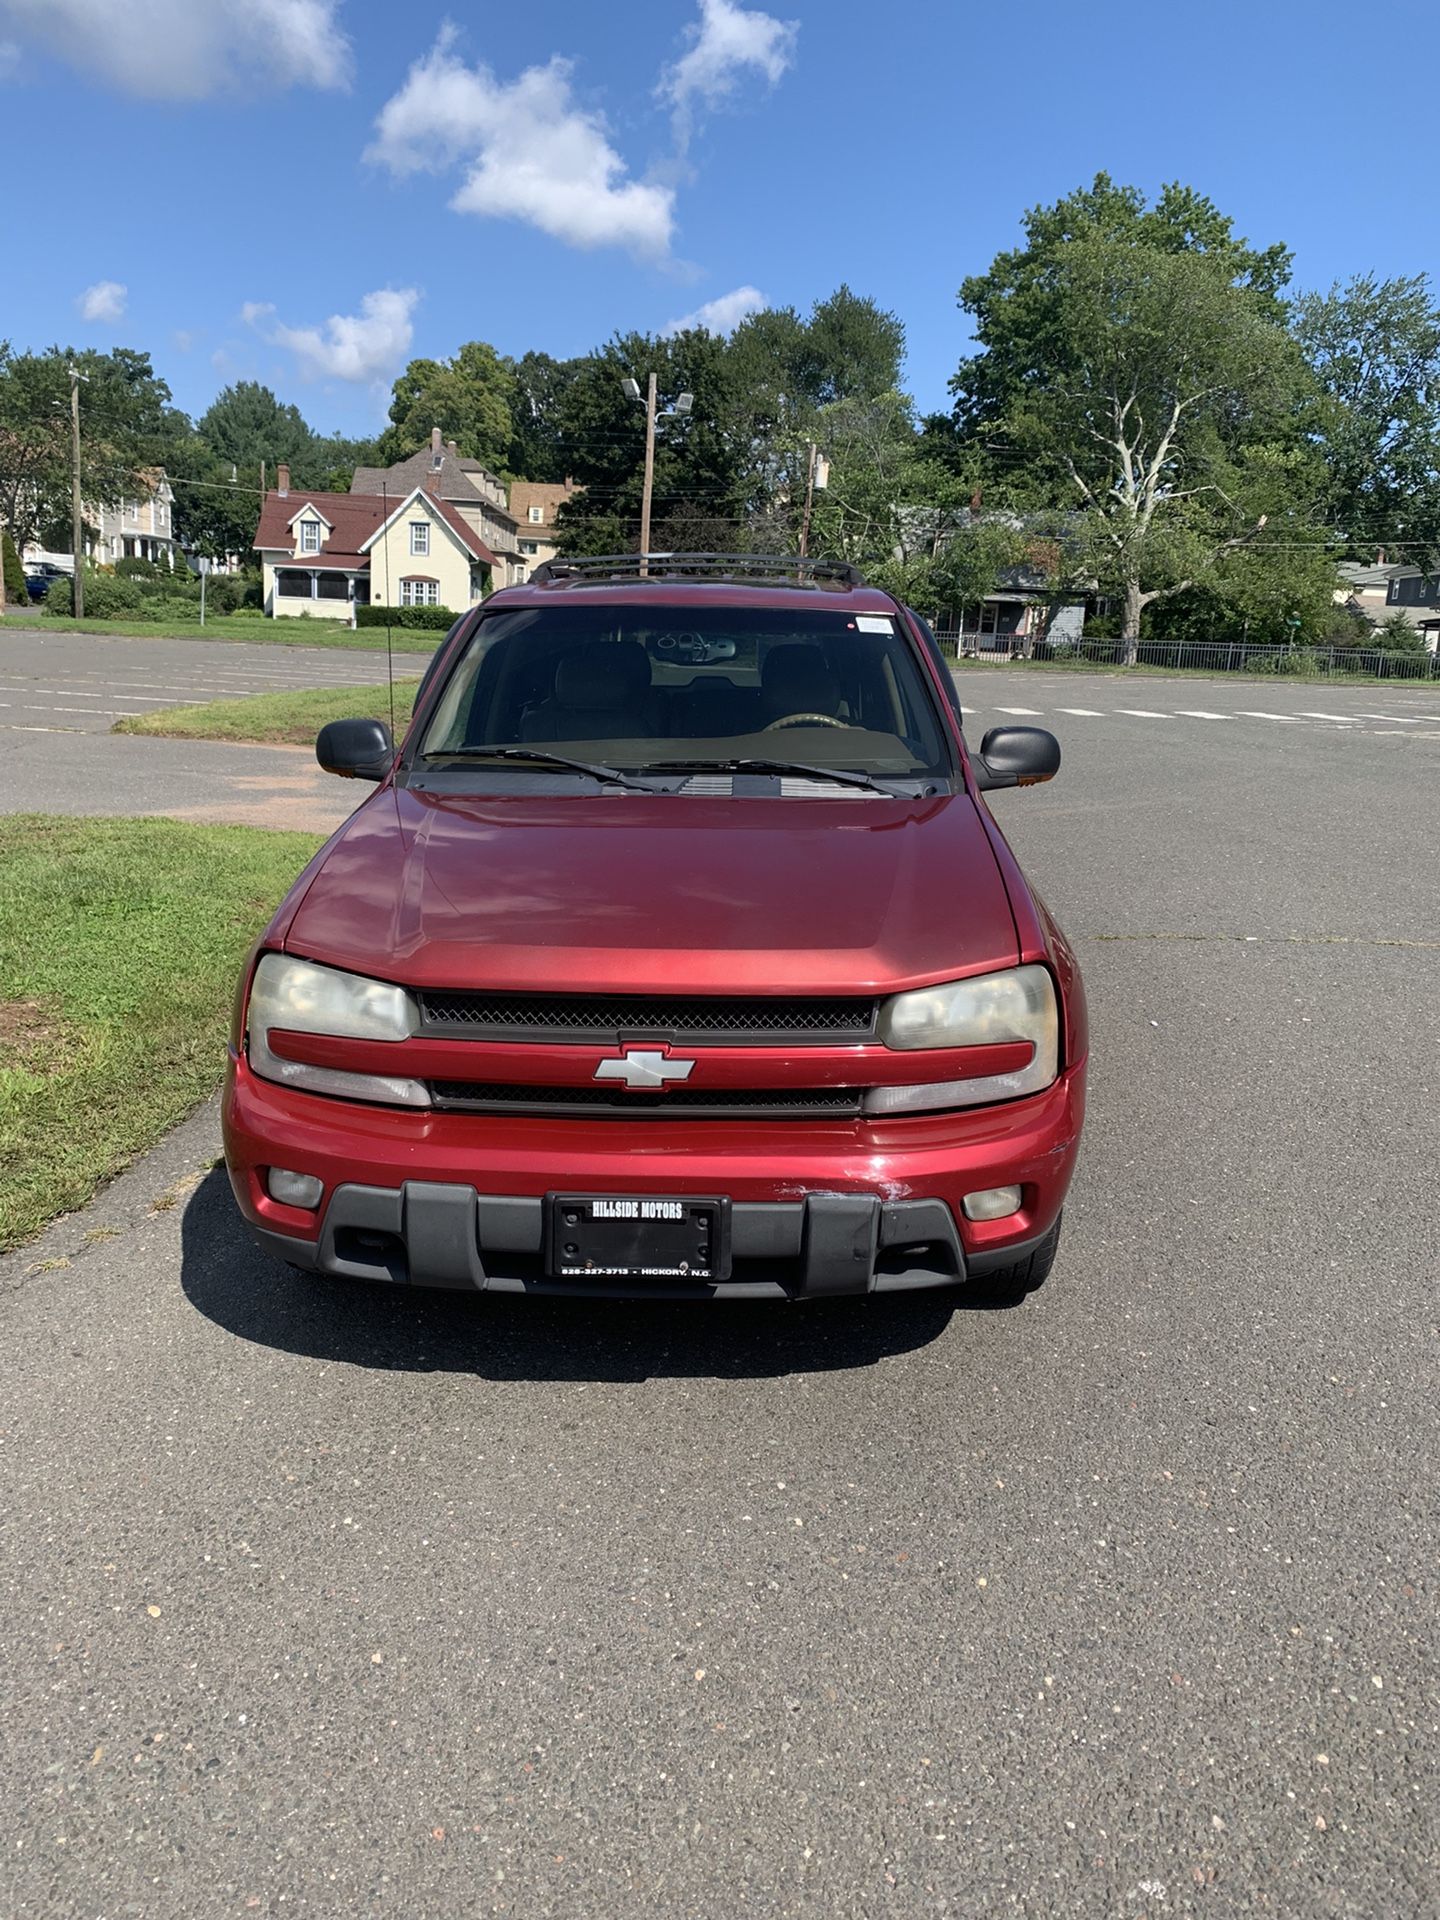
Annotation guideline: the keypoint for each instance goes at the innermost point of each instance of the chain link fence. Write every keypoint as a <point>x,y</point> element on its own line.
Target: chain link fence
<point>1204,656</point>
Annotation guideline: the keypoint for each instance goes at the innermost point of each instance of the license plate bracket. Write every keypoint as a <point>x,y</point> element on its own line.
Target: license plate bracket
<point>637,1236</point>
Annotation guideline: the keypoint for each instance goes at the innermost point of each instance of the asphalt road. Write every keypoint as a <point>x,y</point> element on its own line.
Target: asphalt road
<point>1119,1604</point>
<point>61,693</point>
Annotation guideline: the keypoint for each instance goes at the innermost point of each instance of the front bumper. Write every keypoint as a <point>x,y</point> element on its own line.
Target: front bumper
<point>818,1209</point>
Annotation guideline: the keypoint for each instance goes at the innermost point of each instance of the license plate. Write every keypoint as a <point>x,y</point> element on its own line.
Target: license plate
<point>602,1236</point>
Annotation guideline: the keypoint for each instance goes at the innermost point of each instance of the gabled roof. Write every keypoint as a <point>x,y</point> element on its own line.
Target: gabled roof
<point>351,520</point>
<point>466,535</point>
<point>354,520</point>
<point>307,506</point>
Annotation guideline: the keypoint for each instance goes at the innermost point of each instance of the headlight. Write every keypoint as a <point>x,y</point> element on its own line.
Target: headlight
<point>304,998</point>
<point>990,1010</point>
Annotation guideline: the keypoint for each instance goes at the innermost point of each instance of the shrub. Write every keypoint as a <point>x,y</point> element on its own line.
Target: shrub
<point>17,594</point>
<point>107,597</point>
<point>132,567</point>
<point>434,618</point>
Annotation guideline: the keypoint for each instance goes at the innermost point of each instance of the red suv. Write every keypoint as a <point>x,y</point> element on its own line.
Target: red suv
<point>676,954</point>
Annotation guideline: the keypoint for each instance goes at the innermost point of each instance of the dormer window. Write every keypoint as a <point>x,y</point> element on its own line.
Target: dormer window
<point>419,538</point>
<point>537,516</point>
<point>309,536</point>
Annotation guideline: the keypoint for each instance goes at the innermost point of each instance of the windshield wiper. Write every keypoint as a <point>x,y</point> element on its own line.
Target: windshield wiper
<point>611,776</point>
<point>765,765</point>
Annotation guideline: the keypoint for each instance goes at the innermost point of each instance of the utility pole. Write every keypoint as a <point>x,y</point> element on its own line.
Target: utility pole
<point>809,499</point>
<point>646,496</point>
<point>77,541</point>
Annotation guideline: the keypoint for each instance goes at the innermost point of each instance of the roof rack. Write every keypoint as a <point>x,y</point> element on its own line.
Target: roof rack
<point>767,569</point>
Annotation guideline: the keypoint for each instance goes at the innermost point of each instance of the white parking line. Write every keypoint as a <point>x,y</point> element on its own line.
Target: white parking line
<point>1331,716</point>
<point>1199,713</point>
<point>1085,713</point>
<point>1034,712</point>
<point>1252,713</point>
<point>1142,713</point>
<point>1392,719</point>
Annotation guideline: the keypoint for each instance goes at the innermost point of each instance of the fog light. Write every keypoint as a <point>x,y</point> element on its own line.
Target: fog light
<point>295,1189</point>
<point>993,1204</point>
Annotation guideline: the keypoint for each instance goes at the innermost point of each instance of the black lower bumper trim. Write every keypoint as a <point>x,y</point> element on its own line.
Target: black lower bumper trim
<point>436,1234</point>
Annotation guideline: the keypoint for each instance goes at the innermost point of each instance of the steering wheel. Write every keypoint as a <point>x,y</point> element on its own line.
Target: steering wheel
<point>805,720</point>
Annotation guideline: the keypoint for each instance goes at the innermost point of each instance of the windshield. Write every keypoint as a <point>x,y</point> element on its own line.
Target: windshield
<point>636,686</point>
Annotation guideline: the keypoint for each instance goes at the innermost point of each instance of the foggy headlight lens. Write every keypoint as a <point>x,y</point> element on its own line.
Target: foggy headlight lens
<point>301,997</point>
<point>993,1009</point>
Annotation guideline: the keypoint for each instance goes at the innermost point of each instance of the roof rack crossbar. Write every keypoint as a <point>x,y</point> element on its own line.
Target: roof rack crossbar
<point>774,570</point>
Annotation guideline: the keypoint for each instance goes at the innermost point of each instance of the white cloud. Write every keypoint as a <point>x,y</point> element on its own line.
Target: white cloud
<point>722,315</point>
<point>359,347</point>
<point>103,302</point>
<point>727,42</point>
<point>184,339</point>
<point>188,49</point>
<point>529,152</point>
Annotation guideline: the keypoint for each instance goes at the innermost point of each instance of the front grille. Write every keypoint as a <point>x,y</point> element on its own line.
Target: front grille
<point>604,1019</point>
<point>694,1102</point>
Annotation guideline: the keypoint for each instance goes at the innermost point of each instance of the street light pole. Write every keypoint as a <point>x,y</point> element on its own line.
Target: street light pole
<point>77,590</point>
<point>649,491</point>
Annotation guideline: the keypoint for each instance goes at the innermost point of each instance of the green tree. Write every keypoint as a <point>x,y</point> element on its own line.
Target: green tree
<point>699,463</point>
<point>1375,348</point>
<point>126,415</point>
<point>246,424</point>
<point>537,395</point>
<point>12,573</point>
<point>1136,361</point>
<point>468,397</point>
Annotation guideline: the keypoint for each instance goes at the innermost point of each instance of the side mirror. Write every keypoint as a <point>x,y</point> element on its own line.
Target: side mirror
<point>356,749</point>
<point>1016,757</point>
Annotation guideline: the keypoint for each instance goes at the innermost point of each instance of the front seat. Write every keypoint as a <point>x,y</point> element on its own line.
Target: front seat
<point>795,679</point>
<point>602,692</point>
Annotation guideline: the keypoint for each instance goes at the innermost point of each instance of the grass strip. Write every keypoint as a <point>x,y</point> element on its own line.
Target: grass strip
<point>275,719</point>
<point>252,628</point>
<point>120,941</point>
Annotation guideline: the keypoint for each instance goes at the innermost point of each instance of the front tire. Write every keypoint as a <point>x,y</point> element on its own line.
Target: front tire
<point>1009,1286</point>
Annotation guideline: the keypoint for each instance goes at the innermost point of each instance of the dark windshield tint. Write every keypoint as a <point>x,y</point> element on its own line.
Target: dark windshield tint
<point>638,684</point>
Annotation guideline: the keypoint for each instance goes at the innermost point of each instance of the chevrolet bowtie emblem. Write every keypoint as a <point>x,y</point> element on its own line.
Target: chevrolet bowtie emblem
<point>639,1069</point>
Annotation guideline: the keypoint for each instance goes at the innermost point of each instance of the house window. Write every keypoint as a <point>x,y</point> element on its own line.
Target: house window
<point>332,586</point>
<point>309,536</point>
<point>420,592</point>
<point>537,516</point>
<point>419,537</point>
<point>529,546</point>
<point>291,584</point>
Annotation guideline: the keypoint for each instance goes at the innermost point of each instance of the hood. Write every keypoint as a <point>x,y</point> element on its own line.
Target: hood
<point>623,893</point>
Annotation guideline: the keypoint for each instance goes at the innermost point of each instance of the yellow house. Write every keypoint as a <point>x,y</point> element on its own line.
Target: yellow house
<point>323,554</point>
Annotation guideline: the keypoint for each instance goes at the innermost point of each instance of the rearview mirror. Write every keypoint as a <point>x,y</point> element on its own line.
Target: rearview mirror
<point>1016,757</point>
<point>356,749</point>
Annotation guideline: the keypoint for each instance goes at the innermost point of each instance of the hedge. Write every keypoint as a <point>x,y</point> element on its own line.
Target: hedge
<point>436,618</point>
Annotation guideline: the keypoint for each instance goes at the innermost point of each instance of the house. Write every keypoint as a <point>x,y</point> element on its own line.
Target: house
<point>464,485</point>
<point>138,527</point>
<point>323,553</point>
<point>533,506</point>
<point>1383,590</point>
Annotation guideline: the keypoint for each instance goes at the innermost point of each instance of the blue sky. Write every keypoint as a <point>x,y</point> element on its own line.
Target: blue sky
<point>310,192</point>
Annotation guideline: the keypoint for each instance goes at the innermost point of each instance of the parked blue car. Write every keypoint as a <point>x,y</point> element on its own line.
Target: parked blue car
<point>41,577</point>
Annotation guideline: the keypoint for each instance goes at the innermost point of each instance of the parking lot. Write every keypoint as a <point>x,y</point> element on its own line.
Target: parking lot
<point>1118,1604</point>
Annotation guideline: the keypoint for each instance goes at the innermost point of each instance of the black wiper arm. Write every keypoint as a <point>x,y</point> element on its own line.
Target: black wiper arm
<point>612,776</point>
<point>763,765</point>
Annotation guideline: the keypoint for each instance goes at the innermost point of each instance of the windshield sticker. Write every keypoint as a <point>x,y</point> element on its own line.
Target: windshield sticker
<point>874,623</point>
